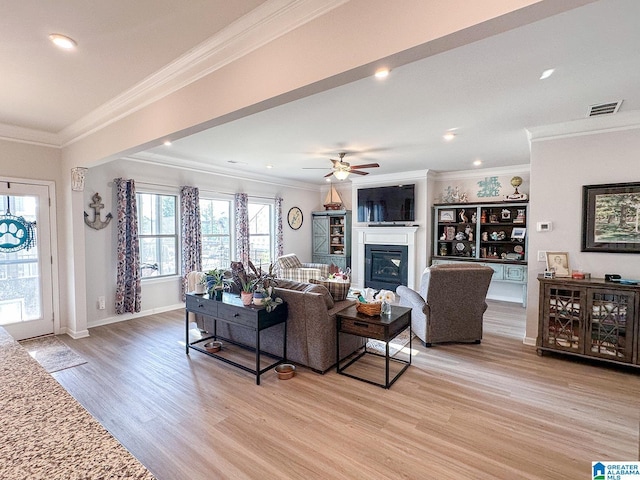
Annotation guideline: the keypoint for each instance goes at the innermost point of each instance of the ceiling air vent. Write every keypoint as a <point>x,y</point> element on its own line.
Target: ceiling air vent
<point>604,108</point>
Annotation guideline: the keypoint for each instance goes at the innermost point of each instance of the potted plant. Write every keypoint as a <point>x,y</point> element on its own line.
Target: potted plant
<point>201,284</point>
<point>215,283</point>
<point>246,290</point>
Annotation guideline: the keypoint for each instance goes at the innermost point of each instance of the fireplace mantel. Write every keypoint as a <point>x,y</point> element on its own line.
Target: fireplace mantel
<point>385,236</point>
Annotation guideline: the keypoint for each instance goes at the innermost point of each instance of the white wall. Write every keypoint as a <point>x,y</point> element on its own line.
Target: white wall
<point>164,294</point>
<point>560,166</point>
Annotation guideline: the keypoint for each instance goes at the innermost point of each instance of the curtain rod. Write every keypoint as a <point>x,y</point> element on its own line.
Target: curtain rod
<point>110,184</point>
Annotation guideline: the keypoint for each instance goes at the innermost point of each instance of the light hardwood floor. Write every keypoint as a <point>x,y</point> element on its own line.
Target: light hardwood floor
<point>494,410</point>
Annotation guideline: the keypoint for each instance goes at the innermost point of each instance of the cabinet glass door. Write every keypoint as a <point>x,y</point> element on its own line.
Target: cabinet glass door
<point>610,315</point>
<point>563,319</point>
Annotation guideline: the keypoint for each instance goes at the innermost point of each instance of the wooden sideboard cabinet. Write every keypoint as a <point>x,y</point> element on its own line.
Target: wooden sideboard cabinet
<point>589,318</point>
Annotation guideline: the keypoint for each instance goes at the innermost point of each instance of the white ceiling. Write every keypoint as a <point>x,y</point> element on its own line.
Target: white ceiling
<point>489,91</point>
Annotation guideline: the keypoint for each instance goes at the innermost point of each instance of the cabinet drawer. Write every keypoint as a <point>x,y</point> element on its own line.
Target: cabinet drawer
<point>363,329</point>
<point>202,305</point>
<point>242,316</point>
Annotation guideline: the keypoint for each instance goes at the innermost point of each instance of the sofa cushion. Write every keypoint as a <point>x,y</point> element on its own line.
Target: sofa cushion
<point>338,290</point>
<point>328,299</point>
<point>289,261</point>
<point>308,287</point>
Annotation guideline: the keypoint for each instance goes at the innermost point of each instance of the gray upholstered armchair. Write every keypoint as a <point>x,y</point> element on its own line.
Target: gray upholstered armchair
<point>450,304</point>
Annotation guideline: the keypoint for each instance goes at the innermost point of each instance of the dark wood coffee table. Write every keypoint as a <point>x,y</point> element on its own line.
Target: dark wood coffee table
<point>380,327</point>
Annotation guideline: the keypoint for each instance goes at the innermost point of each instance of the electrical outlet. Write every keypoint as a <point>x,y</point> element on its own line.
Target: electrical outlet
<point>102,303</point>
<point>542,256</point>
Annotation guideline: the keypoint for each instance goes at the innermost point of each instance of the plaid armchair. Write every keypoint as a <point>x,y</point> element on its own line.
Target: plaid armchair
<point>290,268</point>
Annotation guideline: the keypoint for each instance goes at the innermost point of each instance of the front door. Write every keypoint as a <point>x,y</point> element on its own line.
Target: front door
<point>26,283</point>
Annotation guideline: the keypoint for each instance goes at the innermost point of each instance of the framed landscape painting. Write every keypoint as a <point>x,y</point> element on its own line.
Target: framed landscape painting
<point>611,218</point>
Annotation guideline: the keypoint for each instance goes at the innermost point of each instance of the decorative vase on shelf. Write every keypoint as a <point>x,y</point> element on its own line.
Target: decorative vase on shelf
<point>218,293</point>
<point>246,297</point>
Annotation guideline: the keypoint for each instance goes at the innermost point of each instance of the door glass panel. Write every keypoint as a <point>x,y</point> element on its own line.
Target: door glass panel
<point>20,294</point>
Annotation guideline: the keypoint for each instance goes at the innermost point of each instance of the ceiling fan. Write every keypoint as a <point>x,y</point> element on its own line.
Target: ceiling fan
<point>342,169</point>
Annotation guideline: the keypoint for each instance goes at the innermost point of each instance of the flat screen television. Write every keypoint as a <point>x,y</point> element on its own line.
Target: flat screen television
<point>387,204</point>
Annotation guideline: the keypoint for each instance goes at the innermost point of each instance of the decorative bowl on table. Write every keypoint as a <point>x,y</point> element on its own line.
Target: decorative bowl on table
<point>285,371</point>
<point>213,347</point>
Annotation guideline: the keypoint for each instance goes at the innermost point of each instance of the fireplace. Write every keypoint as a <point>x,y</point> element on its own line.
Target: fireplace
<point>385,266</point>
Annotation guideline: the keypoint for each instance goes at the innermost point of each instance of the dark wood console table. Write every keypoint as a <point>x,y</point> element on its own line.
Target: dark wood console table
<point>231,310</point>
<point>380,327</point>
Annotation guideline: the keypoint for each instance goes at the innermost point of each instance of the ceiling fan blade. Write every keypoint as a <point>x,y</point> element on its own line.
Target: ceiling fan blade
<point>367,165</point>
<point>328,174</point>
<point>358,172</point>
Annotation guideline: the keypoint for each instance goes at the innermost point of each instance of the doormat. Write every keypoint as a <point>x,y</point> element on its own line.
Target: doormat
<point>395,345</point>
<point>52,354</point>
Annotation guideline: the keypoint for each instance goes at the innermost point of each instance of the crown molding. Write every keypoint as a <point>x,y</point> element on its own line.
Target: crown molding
<point>13,133</point>
<point>586,126</point>
<point>385,178</point>
<point>257,28</point>
<point>482,172</point>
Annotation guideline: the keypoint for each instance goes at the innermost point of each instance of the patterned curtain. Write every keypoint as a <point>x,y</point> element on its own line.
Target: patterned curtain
<point>279,239</point>
<point>128,287</point>
<point>242,227</point>
<point>191,233</point>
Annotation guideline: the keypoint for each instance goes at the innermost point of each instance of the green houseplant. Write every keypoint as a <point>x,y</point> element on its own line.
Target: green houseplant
<point>215,283</point>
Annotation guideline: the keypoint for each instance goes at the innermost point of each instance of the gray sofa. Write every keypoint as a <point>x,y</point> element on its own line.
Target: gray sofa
<point>311,331</point>
<point>450,304</point>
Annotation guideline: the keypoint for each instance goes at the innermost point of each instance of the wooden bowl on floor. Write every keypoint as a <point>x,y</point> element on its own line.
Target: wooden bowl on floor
<point>213,347</point>
<point>285,371</point>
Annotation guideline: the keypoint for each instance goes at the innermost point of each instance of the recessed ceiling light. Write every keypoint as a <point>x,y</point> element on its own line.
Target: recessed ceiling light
<point>167,143</point>
<point>269,166</point>
<point>477,163</point>
<point>382,73</point>
<point>327,179</point>
<point>547,73</point>
<point>449,136</point>
<point>63,41</point>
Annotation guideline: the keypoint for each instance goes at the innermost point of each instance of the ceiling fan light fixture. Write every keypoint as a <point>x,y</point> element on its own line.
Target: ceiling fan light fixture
<point>62,41</point>
<point>341,174</point>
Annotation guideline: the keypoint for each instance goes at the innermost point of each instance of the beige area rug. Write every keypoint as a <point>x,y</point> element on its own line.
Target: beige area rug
<point>52,354</point>
<point>395,345</point>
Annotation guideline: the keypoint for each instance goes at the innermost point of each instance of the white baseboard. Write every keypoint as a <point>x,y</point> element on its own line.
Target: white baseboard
<point>531,341</point>
<point>131,316</point>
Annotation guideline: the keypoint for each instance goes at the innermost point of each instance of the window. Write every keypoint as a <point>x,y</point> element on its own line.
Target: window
<point>216,233</point>
<point>261,233</point>
<point>157,232</point>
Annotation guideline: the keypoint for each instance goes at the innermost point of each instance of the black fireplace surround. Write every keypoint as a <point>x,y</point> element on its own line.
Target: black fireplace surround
<point>385,266</point>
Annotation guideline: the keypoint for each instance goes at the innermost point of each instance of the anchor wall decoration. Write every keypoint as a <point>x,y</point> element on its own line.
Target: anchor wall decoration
<point>97,223</point>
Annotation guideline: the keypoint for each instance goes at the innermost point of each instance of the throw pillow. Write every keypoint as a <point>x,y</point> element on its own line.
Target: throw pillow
<point>338,290</point>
